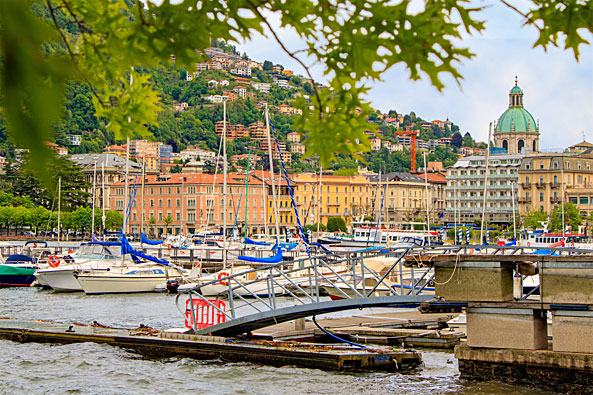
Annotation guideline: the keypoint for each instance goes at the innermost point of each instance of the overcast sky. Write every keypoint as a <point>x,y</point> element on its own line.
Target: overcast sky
<point>558,91</point>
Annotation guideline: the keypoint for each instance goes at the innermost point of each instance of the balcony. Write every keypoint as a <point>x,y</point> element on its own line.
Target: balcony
<point>525,185</point>
<point>555,199</point>
<point>554,185</point>
<point>523,199</point>
<point>540,185</point>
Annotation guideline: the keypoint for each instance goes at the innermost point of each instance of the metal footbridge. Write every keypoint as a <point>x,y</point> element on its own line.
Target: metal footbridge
<point>308,286</point>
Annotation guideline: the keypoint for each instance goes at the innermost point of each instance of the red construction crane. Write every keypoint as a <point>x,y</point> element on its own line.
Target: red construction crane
<point>412,133</point>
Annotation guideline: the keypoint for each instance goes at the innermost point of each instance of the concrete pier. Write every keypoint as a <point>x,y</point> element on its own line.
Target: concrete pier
<point>563,372</point>
<point>508,336</point>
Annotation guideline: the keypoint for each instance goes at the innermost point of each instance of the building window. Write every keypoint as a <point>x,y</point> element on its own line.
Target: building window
<point>541,196</point>
<point>584,200</point>
<point>541,165</point>
<point>160,202</point>
<point>555,180</point>
<point>178,203</point>
<point>151,203</point>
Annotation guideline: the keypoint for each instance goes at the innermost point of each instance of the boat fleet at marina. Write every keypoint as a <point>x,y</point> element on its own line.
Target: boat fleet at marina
<point>99,267</point>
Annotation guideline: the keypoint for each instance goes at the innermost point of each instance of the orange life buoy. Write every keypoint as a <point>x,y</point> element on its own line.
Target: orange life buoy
<point>528,244</point>
<point>198,266</point>
<point>34,245</point>
<point>221,275</point>
<point>53,261</point>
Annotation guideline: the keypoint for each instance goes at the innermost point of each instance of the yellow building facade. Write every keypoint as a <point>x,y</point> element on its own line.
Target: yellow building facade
<point>544,177</point>
<point>398,197</point>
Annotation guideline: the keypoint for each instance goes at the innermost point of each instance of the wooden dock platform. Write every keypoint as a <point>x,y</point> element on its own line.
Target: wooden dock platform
<point>162,344</point>
<point>408,328</point>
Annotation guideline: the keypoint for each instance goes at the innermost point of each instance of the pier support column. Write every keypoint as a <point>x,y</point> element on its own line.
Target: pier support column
<point>572,331</point>
<point>471,279</point>
<point>507,328</point>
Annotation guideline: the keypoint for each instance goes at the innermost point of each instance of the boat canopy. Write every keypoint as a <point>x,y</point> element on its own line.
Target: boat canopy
<point>273,259</point>
<point>257,243</point>
<point>144,239</point>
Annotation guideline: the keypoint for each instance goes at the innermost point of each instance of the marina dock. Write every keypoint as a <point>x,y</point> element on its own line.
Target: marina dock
<point>162,344</point>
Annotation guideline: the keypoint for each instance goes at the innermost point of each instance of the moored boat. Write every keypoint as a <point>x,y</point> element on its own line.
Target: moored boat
<point>17,274</point>
<point>97,256</point>
<point>18,269</point>
<point>137,278</point>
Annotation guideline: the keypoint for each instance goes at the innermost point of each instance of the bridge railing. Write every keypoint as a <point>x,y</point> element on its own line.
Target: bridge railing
<point>341,276</point>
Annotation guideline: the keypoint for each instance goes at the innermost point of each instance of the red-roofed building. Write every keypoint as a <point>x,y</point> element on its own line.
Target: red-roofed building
<point>60,151</point>
<point>119,150</point>
<point>194,202</point>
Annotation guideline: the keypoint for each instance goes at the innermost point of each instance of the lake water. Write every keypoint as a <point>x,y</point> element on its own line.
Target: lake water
<point>89,368</point>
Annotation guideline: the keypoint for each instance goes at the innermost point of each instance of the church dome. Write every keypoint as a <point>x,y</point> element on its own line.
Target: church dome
<point>516,118</point>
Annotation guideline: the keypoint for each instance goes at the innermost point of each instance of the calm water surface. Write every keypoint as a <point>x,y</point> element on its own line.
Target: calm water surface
<point>89,368</point>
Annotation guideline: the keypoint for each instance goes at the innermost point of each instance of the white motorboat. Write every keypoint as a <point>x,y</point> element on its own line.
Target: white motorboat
<point>97,256</point>
<point>135,278</point>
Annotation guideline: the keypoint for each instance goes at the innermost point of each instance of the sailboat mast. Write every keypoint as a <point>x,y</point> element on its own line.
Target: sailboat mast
<point>274,202</point>
<point>124,228</point>
<point>224,171</point>
<point>247,190</point>
<point>485,185</point>
<point>513,200</point>
<point>319,203</point>
<point>562,193</point>
<point>94,197</point>
<point>142,203</point>
<point>455,210</point>
<point>182,188</point>
<point>265,193</point>
<point>59,206</point>
<point>103,218</point>
<point>426,199</point>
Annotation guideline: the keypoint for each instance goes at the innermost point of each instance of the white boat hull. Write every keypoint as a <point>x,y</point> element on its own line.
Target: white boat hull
<point>62,280</point>
<point>125,280</point>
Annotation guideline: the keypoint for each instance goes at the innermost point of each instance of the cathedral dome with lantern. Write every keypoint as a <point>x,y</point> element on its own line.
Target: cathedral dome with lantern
<point>516,130</point>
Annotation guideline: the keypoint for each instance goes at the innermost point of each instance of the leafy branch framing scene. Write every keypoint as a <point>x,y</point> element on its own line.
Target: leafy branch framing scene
<point>110,46</point>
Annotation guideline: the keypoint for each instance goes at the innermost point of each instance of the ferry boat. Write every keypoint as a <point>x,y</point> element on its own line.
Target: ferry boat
<point>544,239</point>
<point>364,234</point>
